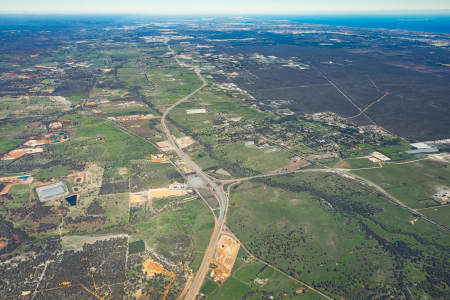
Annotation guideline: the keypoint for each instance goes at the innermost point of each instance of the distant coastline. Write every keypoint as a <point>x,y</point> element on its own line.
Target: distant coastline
<point>430,23</point>
<point>421,23</point>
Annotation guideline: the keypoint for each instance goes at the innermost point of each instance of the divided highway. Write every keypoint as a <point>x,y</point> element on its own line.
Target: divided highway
<point>217,190</point>
<point>222,198</point>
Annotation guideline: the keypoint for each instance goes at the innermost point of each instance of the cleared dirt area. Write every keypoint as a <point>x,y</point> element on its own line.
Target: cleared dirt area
<point>139,198</point>
<point>342,164</point>
<point>223,172</point>
<point>183,142</point>
<point>14,154</point>
<point>294,166</point>
<point>76,242</point>
<point>5,189</point>
<point>226,252</point>
<point>146,196</point>
<point>183,166</point>
<point>196,111</point>
<point>151,268</point>
<point>163,193</point>
<point>90,180</point>
<point>23,179</point>
<point>160,158</point>
<point>34,143</point>
<point>49,138</point>
<point>132,117</point>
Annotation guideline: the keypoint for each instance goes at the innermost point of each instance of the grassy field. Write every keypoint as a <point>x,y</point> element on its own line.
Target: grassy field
<point>414,183</point>
<point>195,123</point>
<point>167,82</point>
<point>231,289</point>
<point>121,108</point>
<point>99,140</point>
<point>28,106</point>
<point>132,75</point>
<point>146,175</point>
<point>205,161</point>
<point>52,172</point>
<point>189,227</point>
<point>6,145</point>
<point>217,101</point>
<point>325,231</point>
<point>355,163</point>
<point>241,160</point>
<point>232,156</point>
<point>260,160</point>
<point>13,132</point>
<point>255,280</point>
<point>116,208</point>
<point>440,214</point>
<point>21,196</point>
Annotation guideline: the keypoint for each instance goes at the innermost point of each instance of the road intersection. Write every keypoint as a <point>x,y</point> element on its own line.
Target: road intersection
<point>216,189</point>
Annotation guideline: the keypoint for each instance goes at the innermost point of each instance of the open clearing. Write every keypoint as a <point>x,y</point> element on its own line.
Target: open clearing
<point>226,252</point>
<point>76,242</point>
<point>335,236</point>
<point>413,183</point>
<point>182,142</point>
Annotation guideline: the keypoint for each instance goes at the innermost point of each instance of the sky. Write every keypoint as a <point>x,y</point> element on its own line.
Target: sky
<point>216,7</point>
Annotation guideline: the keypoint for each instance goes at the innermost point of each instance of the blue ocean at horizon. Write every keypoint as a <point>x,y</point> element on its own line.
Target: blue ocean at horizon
<point>431,23</point>
<point>420,23</point>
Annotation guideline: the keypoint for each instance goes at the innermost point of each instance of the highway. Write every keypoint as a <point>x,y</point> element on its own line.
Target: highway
<point>217,190</point>
<point>222,197</point>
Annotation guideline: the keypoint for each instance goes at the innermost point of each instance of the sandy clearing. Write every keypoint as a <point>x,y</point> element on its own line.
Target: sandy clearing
<point>76,242</point>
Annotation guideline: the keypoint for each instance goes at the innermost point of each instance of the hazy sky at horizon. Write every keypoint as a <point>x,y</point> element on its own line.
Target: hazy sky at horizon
<point>213,6</point>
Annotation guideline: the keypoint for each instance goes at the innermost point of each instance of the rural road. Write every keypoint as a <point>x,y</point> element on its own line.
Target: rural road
<point>222,197</point>
<point>217,190</point>
<point>345,174</point>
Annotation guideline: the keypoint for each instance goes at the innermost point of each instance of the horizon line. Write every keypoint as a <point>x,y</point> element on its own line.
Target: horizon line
<point>306,12</point>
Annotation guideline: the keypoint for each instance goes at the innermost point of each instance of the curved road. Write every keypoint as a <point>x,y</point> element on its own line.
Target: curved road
<point>222,197</point>
<point>217,190</point>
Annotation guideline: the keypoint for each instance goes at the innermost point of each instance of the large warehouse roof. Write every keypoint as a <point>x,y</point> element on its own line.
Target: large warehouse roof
<point>52,191</point>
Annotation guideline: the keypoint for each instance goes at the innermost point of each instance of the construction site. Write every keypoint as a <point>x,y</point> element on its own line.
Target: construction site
<point>174,190</point>
<point>182,142</point>
<point>224,258</point>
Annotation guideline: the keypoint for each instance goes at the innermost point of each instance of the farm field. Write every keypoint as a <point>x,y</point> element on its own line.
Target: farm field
<point>356,163</point>
<point>412,183</point>
<point>189,226</point>
<point>252,280</point>
<point>333,235</point>
<point>440,214</point>
<point>96,203</point>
